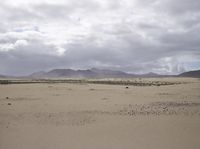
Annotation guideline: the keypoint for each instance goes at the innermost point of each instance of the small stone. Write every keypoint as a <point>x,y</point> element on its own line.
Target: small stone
<point>7,97</point>
<point>9,104</point>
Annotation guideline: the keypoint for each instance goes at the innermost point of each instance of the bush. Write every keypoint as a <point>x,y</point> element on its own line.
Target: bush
<point>4,82</point>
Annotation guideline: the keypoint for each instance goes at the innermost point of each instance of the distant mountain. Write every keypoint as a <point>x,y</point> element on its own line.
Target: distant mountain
<point>193,74</point>
<point>2,76</point>
<point>38,74</point>
<point>89,73</point>
<point>111,73</point>
<point>58,73</point>
<point>150,74</point>
<point>103,73</point>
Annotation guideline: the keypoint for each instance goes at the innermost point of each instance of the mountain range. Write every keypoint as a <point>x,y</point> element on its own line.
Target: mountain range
<point>88,73</point>
<point>101,73</point>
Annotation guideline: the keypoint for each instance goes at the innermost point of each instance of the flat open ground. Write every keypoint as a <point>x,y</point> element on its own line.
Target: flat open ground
<point>100,116</point>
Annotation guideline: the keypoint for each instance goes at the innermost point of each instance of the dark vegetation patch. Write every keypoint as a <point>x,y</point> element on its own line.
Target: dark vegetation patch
<point>109,82</point>
<point>5,82</point>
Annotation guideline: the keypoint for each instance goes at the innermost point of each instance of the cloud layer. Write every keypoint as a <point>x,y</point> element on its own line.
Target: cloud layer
<point>136,36</point>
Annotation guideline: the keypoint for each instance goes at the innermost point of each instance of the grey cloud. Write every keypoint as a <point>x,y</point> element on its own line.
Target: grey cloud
<point>187,40</point>
<point>181,6</point>
<point>134,36</point>
<point>178,7</point>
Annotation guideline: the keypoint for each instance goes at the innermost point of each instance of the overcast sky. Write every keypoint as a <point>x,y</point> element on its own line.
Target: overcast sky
<point>138,36</point>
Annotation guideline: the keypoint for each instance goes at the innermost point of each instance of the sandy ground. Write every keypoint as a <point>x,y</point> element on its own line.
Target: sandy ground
<point>91,116</point>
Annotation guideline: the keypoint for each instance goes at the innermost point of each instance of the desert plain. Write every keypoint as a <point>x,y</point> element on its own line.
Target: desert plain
<point>101,116</point>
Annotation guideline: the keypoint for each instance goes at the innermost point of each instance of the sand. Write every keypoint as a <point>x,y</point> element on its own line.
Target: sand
<point>96,116</point>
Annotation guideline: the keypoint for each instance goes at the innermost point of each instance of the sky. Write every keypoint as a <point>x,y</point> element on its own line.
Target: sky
<point>137,36</point>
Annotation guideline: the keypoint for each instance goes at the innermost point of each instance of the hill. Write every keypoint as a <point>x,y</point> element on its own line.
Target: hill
<point>193,74</point>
